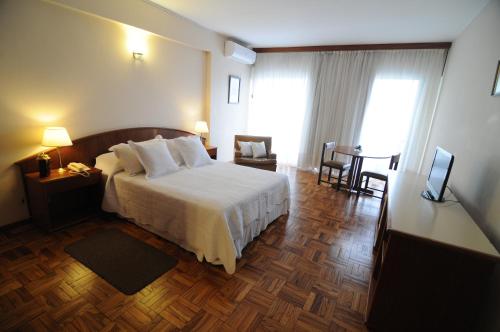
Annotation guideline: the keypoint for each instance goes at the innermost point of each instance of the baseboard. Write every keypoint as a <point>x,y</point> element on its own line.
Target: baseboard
<point>8,227</point>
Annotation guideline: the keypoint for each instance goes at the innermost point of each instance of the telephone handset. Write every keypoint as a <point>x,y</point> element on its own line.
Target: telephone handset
<point>79,168</point>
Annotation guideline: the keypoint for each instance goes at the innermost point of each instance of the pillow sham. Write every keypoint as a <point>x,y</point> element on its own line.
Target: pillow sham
<point>245,148</point>
<point>108,164</point>
<point>154,157</point>
<point>174,150</point>
<point>127,158</point>
<point>193,152</point>
<point>259,149</point>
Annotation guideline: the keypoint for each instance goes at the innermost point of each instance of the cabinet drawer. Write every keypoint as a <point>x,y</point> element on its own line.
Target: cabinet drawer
<point>73,183</point>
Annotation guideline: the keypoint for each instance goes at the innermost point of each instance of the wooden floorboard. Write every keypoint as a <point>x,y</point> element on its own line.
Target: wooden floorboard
<point>308,271</point>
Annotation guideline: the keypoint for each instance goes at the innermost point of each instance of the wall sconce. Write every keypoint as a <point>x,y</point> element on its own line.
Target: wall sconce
<point>137,42</point>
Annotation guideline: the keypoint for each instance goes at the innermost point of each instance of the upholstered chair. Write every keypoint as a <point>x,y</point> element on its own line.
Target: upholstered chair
<point>267,163</point>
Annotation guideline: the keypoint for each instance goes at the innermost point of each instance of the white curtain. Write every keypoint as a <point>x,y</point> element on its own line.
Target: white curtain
<point>281,96</point>
<point>424,67</point>
<point>306,99</point>
<point>343,84</point>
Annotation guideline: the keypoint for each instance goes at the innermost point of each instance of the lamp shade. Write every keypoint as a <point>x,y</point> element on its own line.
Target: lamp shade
<point>56,136</point>
<point>201,127</point>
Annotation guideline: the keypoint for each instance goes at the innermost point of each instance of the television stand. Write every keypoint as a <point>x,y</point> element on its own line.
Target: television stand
<point>432,263</point>
<point>427,195</point>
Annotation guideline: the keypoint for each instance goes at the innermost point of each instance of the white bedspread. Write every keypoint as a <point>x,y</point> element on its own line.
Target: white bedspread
<point>213,210</point>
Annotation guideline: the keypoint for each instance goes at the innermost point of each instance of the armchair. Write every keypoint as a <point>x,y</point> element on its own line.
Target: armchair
<point>266,163</point>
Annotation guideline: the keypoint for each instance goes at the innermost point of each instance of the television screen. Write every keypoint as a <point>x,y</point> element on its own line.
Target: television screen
<point>438,176</point>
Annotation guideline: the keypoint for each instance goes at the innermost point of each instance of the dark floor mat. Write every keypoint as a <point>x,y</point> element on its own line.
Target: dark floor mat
<point>122,260</point>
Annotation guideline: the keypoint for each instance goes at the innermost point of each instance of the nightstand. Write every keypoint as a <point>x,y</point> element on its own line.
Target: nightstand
<point>212,151</point>
<point>62,199</point>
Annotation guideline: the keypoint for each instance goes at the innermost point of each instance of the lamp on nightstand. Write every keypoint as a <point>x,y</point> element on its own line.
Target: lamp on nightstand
<point>201,127</point>
<point>56,137</point>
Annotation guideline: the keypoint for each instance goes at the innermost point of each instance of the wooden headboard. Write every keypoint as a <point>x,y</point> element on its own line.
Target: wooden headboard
<point>86,149</point>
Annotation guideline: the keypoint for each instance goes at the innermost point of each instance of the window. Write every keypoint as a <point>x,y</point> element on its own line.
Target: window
<point>277,109</point>
<point>388,117</point>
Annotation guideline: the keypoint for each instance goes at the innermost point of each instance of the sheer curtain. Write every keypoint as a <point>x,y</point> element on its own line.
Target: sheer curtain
<point>281,96</point>
<point>343,84</point>
<point>426,67</point>
<point>412,79</point>
<point>306,99</point>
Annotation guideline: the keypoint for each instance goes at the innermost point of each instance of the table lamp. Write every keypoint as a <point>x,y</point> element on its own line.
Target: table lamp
<point>201,127</point>
<point>56,137</point>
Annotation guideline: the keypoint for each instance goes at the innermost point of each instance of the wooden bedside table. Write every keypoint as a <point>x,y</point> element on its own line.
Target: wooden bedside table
<point>62,199</point>
<point>212,151</point>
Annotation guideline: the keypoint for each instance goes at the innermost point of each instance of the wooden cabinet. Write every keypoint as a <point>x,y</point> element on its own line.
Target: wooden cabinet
<point>212,151</point>
<point>62,199</point>
<point>432,264</point>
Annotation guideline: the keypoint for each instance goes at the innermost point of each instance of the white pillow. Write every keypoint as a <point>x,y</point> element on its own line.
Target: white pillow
<point>193,152</point>
<point>259,149</point>
<point>174,150</point>
<point>245,148</point>
<point>127,158</point>
<point>108,163</point>
<point>154,157</point>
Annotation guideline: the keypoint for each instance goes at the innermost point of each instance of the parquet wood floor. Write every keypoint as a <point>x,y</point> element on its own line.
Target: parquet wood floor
<point>308,271</point>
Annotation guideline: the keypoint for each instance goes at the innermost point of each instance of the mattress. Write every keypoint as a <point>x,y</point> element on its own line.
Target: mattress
<point>213,211</point>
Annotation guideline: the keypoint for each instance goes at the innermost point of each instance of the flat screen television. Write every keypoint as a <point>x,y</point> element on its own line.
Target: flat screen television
<point>438,176</point>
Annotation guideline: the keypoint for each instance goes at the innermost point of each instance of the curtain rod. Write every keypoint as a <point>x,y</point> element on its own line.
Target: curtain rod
<point>355,47</point>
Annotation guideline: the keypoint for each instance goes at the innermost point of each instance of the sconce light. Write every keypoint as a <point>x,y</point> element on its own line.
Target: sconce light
<point>137,42</point>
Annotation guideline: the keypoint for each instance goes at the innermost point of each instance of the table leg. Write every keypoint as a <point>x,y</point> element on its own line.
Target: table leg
<point>349,175</point>
<point>358,177</point>
<point>351,178</point>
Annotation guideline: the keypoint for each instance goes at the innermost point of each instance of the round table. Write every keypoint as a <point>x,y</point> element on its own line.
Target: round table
<point>354,177</point>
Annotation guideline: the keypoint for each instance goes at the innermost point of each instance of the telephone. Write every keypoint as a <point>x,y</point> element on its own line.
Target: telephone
<point>79,168</point>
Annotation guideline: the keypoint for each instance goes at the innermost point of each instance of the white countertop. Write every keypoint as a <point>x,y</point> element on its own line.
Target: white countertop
<point>446,222</point>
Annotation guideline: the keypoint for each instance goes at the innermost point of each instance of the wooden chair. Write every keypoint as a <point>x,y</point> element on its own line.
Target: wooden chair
<point>332,164</point>
<point>375,175</point>
<point>266,163</point>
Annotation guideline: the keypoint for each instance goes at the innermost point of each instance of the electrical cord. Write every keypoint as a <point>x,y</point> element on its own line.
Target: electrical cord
<point>450,200</point>
<point>85,174</point>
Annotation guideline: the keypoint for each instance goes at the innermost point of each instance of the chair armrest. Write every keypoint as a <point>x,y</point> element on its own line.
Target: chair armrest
<point>272,156</point>
<point>237,154</point>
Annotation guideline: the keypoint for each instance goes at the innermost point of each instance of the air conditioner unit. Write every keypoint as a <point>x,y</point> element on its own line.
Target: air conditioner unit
<point>239,53</point>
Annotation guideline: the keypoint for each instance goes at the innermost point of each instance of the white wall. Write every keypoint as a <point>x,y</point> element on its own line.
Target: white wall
<point>61,66</point>
<point>467,123</point>
<point>225,119</point>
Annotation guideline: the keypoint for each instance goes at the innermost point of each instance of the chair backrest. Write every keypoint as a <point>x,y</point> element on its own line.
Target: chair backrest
<point>394,161</point>
<point>327,147</point>
<point>248,138</point>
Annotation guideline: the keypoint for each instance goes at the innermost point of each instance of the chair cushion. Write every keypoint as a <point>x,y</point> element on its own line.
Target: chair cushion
<point>255,161</point>
<point>336,164</point>
<point>245,148</point>
<point>375,175</point>
<point>259,149</point>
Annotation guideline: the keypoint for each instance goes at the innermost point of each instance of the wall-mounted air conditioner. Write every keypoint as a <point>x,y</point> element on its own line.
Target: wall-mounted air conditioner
<point>239,53</point>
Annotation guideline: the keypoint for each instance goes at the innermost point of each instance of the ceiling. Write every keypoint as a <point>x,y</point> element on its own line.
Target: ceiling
<point>265,23</point>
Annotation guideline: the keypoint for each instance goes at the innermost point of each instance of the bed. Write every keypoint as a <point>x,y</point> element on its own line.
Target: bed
<point>213,211</point>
